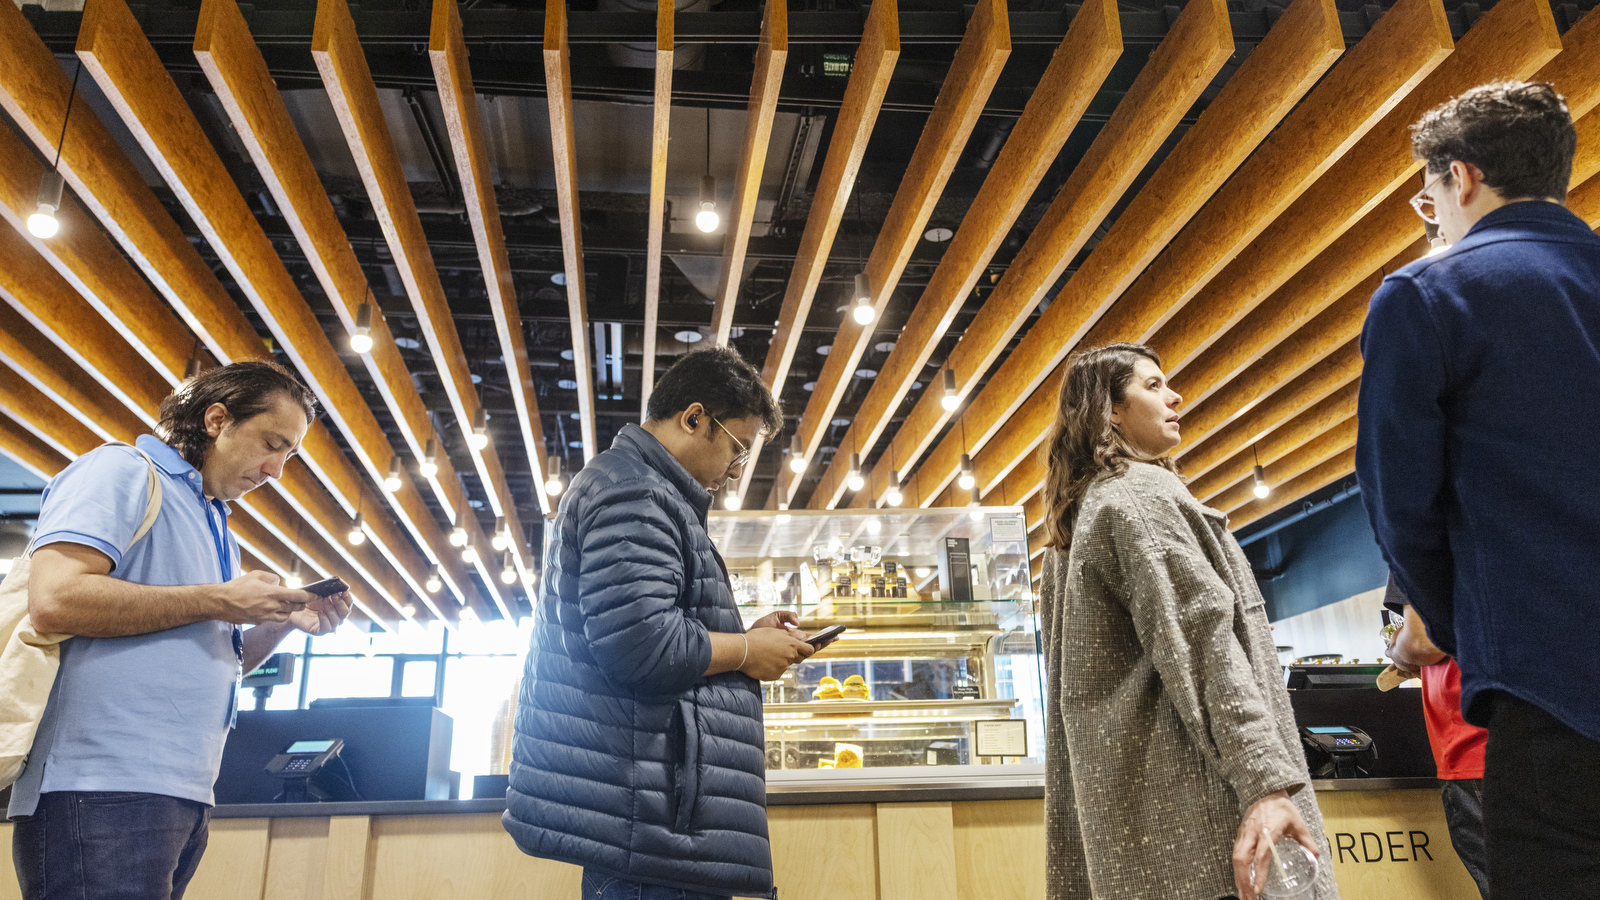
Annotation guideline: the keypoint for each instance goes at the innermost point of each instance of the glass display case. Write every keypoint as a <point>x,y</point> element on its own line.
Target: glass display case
<point>939,665</point>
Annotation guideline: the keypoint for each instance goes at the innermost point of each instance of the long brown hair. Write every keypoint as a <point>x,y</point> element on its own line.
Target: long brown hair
<point>1084,446</point>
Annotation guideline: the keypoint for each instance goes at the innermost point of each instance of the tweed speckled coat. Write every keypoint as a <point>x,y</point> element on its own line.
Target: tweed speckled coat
<point>1168,716</point>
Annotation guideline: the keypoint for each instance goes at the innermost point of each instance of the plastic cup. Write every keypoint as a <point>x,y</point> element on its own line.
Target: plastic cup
<point>1291,872</point>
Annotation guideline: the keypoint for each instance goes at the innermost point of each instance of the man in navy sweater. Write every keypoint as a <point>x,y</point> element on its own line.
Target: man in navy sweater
<point>1479,461</point>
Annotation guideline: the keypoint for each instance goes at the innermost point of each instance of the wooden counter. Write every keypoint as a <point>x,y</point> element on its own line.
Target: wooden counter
<point>1388,844</point>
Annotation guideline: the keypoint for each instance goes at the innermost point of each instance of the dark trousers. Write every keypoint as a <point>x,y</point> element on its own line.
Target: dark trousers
<point>1463,814</point>
<point>109,845</point>
<point>601,886</point>
<point>1541,805</point>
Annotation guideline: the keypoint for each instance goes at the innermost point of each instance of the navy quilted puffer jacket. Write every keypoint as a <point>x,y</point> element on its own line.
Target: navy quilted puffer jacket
<point>627,759</point>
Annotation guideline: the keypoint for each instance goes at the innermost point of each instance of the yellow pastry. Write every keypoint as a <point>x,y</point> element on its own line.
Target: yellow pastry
<point>855,688</point>
<point>828,689</point>
<point>824,763</point>
<point>846,756</point>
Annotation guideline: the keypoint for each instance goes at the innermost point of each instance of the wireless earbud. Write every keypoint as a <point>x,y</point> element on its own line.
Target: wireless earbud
<point>694,421</point>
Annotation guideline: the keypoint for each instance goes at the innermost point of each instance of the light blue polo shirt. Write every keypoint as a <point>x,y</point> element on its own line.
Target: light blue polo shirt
<point>150,712</point>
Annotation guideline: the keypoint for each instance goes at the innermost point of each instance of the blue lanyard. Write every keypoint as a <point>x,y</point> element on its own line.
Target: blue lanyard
<point>224,558</point>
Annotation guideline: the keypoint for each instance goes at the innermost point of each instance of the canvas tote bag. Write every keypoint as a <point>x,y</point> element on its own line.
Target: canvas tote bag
<point>30,660</point>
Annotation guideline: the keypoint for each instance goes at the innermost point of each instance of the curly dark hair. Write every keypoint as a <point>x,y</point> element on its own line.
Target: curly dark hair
<point>719,379</point>
<point>1084,446</point>
<point>247,389</point>
<point>1520,134</point>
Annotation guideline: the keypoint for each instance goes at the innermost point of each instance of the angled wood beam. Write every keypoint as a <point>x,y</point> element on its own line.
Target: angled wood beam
<point>660,135</point>
<point>33,293</point>
<point>1576,72</point>
<point>972,76</point>
<point>1320,476</point>
<point>125,66</point>
<point>228,55</point>
<point>1298,50</point>
<point>1514,42</point>
<point>343,66</point>
<point>26,450</point>
<point>1364,139</point>
<point>1357,92</point>
<point>1275,445</point>
<point>448,50</point>
<point>863,96</point>
<point>558,91</point>
<point>1080,64</point>
<point>34,92</point>
<point>1304,457</point>
<point>1336,376</point>
<point>771,54</point>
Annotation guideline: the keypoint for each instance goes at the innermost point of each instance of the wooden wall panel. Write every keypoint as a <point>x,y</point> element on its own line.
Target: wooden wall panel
<point>234,866</point>
<point>1000,849</point>
<point>916,852</point>
<point>846,834</point>
<point>295,863</point>
<point>432,857</point>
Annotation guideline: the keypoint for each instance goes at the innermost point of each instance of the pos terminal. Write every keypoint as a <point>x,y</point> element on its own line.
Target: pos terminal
<point>300,764</point>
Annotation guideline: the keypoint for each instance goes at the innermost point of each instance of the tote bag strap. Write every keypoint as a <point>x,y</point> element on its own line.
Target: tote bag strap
<point>152,503</point>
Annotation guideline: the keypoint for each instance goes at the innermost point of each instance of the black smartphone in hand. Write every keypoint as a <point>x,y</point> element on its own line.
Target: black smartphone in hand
<point>825,635</point>
<point>327,587</point>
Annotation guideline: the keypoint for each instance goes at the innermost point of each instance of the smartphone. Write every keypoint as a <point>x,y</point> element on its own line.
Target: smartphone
<point>825,635</point>
<point>327,587</point>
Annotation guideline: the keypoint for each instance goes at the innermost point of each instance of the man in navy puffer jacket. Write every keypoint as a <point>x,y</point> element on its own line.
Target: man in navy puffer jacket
<point>639,752</point>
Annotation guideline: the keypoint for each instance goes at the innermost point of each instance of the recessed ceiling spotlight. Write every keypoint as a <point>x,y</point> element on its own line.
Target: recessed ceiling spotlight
<point>824,349</point>
<point>809,386</point>
<point>567,384</point>
<point>866,373</point>
<point>559,278</point>
<point>735,333</point>
<point>688,336</point>
<point>884,346</point>
<point>405,343</point>
<point>576,445</point>
<point>840,423</point>
<point>938,235</point>
<point>567,354</point>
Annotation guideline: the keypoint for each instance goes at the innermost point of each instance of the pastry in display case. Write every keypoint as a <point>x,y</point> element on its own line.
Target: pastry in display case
<point>939,663</point>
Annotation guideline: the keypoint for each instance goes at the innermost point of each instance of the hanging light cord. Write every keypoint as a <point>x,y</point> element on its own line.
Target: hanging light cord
<point>61,142</point>
<point>708,140</point>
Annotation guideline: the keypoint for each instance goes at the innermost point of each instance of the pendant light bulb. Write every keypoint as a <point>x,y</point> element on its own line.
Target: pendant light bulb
<point>458,537</point>
<point>294,581</point>
<point>951,399</point>
<point>508,572</point>
<point>409,611</point>
<point>479,438</point>
<point>783,512</point>
<point>469,555</point>
<point>797,456</point>
<point>356,536</point>
<point>707,219</point>
<point>429,466</point>
<point>863,311</point>
<point>502,536</point>
<point>434,582</point>
<point>553,483</point>
<point>730,502</point>
<point>43,223</point>
<point>391,482</point>
<point>894,497</point>
<point>967,481</point>
<point>1262,489</point>
<point>361,338</point>
<point>855,482</point>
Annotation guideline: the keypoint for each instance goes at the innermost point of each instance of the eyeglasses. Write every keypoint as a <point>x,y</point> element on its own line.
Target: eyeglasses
<point>1423,203</point>
<point>744,452</point>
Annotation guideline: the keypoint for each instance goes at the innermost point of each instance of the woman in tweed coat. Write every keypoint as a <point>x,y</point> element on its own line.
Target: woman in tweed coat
<point>1173,760</point>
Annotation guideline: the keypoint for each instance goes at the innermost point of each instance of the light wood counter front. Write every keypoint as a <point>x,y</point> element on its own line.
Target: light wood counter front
<point>1388,844</point>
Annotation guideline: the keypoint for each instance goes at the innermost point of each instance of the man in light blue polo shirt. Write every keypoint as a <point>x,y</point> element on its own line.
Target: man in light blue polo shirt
<point>115,798</point>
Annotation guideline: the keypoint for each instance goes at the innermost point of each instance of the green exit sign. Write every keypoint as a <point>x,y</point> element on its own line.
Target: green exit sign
<point>836,65</point>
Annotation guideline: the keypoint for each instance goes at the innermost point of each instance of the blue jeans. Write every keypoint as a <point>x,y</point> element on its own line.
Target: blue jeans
<point>109,845</point>
<point>604,886</point>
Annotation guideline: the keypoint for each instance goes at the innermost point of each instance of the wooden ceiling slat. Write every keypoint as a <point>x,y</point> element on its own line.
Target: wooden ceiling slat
<point>1077,69</point>
<point>558,92</point>
<point>771,54</point>
<point>1299,49</point>
<point>863,96</point>
<point>51,306</point>
<point>660,136</point>
<point>1320,476</point>
<point>34,92</point>
<point>229,57</point>
<point>448,50</point>
<point>1333,328</point>
<point>343,66</point>
<point>1274,445</point>
<point>125,66</point>
<point>1513,40</point>
<point>1345,122</point>
<point>972,76</point>
<point>1283,469</point>
<point>26,450</point>
<point>37,356</point>
<point>1576,72</point>
<point>1335,376</point>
